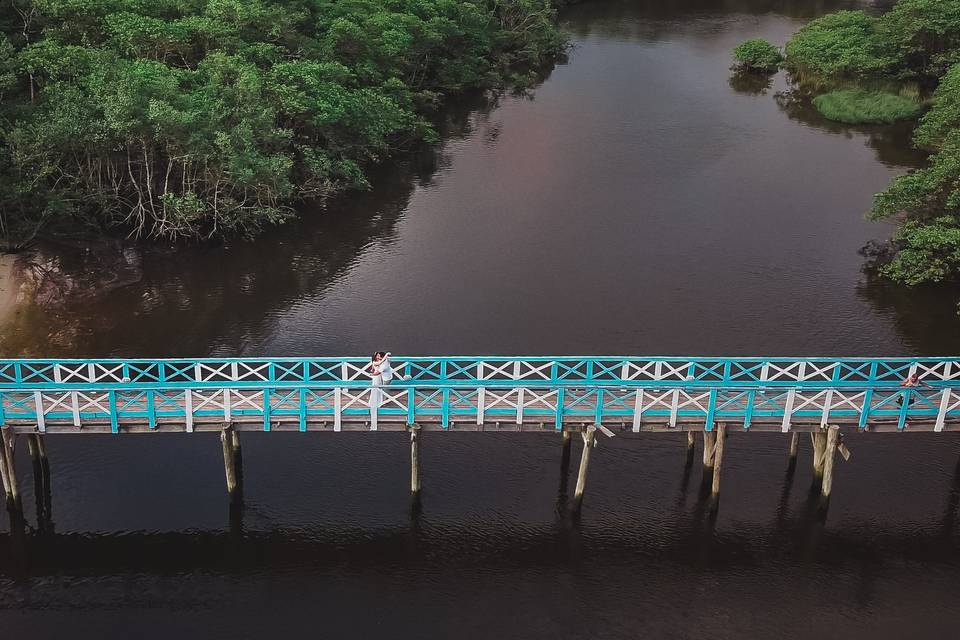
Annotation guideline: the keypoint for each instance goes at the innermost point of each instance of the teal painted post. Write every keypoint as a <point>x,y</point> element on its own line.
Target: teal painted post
<point>445,410</point>
<point>711,407</point>
<point>902,422</point>
<point>114,419</point>
<point>151,409</point>
<point>266,409</point>
<point>2,419</point>
<point>303,410</point>
<point>865,412</point>
<point>748,414</point>
<point>873,373</point>
<point>411,403</point>
<point>598,414</point>
<point>554,372</point>
<point>560,400</point>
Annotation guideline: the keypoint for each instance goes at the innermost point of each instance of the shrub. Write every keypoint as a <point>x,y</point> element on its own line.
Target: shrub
<point>858,106</point>
<point>758,55</point>
<point>845,43</point>
<point>924,35</point>
<point>944,117</point>
<point>928,252</point>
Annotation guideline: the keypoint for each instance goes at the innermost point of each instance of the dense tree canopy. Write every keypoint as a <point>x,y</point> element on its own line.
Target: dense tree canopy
<point>194,118</point>
<point>919,41</point>
<point>915,39</point>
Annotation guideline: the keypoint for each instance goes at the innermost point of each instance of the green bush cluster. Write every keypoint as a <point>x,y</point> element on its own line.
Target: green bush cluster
<point>757,55</point>
<point>859,106</point>
<point>845,43</point>
<point>917,40</point>
<point>193,118</point>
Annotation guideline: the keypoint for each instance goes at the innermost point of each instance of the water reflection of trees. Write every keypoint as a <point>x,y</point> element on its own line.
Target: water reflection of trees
<point>225,298</point>
<point>750,83</point>
<point>658,19</point>
<point>891,142</point>
<point>924,317</point>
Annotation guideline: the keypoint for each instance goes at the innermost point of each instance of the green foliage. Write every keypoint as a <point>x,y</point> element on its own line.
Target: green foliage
<point>187,118</point>
<point>858,106</point>
<point>758,55</point>
<point>944,117</point>
<point>925,193</point>
<point>927,252</point>
<point>917,40</point>
<point>8,78</point>
<point>928,241</point>
<point>845,43</point>
<point>923,35</point>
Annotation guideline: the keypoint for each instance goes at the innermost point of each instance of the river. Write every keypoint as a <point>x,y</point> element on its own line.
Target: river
<point>640,201</point>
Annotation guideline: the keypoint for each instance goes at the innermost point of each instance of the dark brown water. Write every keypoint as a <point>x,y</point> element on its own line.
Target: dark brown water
<point>642,202</point>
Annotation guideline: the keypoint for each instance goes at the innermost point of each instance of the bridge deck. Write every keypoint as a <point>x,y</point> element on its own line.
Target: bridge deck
<point>478,394</point>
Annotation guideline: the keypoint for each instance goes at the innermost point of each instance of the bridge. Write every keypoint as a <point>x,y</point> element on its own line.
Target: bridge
<point>534,394</point>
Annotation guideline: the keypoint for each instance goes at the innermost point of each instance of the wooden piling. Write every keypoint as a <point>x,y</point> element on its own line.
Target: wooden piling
<point>709,447</point>
<point>42,449</point>
<point>230,464</point>
<point>589,439</point>
<point>691,443</point>
<point>794,445</point>
<point>565,452</point>
<point>415,460</point>
<point>819,442</point>
<point>10,486</point>
<point>5,475</point>
<point>718,457</point>
<point>237,458</point>
<point>829,455</point>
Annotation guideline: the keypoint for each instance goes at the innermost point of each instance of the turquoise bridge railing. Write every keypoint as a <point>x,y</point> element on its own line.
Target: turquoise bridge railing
<point>448,390</point>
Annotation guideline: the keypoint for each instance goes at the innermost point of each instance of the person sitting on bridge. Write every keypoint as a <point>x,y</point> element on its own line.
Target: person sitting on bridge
<point>912,380</point>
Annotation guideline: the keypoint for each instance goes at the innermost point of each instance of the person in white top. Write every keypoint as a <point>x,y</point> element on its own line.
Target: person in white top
<point>381,373</point>
<point>380,370</point>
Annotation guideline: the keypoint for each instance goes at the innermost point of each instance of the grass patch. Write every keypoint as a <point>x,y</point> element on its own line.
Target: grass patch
<point>859,106</point>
